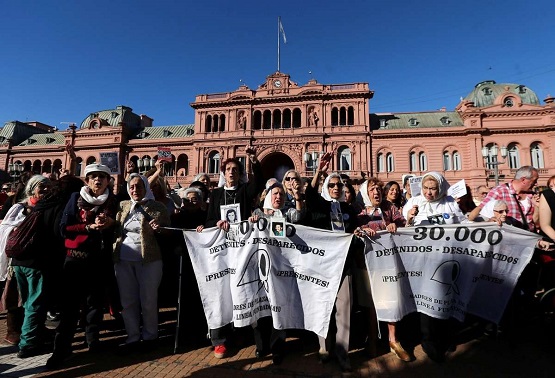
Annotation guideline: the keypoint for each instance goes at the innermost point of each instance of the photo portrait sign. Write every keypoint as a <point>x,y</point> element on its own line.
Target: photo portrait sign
<point>110,159</point>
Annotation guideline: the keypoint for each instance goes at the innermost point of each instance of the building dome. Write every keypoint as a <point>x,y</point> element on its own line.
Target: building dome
<point>486,92</point>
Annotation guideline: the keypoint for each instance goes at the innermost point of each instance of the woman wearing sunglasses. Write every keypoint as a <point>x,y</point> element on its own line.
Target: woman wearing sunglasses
<point>328,211</point>
<point>293,185</point>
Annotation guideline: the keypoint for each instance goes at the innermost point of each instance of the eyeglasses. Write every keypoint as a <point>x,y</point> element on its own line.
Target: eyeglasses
<point>332,185</point>
<point>5,188</point>
<point>290,178</point>
<point>99,175</point>
<point>501,211</point>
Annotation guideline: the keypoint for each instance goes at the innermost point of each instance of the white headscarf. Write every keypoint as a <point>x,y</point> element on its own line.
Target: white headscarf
<point>326,194</point>
<point>443,185</point>
<point>148,192</point>
<point>364,194</point>
<point>268,198</point>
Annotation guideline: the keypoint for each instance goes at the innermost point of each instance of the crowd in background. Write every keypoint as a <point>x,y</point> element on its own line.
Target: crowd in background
<point>106,250</point>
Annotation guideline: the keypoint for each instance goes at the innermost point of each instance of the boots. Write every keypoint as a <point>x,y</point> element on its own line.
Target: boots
<point>14,321</point>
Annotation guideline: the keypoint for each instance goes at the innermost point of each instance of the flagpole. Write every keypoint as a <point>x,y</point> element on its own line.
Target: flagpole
<point>278,31</point>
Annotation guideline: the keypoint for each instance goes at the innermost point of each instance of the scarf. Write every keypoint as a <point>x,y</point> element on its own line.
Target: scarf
<point>85,195</point>
<point>148,192</point>
<point>335,205</point>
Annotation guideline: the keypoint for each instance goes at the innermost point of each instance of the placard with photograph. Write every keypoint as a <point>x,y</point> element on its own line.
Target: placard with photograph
<point>231,213</point>
<point>277,227</point>
<point>110,159</point>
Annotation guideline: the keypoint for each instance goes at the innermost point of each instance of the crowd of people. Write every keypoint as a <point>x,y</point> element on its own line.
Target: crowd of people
<point>106,252</point>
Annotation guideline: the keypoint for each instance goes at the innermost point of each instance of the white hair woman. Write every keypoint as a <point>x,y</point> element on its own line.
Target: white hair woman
<point>138,261</point>
<point>29,273</point>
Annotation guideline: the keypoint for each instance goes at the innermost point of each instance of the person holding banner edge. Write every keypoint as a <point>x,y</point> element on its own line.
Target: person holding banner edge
<point>234,191</point>
<point>433,206</point>
<point>377,215</point>
<point>328,211</point>
<point>274,208</point>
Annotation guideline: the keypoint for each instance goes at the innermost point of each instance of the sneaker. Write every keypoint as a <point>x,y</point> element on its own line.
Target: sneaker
<point>57,360</point>
<point>220,351</point>
<point>27,352</point>
<point>399,351</point>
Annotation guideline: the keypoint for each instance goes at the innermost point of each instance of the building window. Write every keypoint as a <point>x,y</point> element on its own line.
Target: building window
<point>214,162</point>
<point>509,102</point>
<point>513,157</point>
<point>536,153</point>
<point>446,161</point>
<point>350,116</point>
<point>344,159</point>
<point>445,120</point>
<point>390,162</point>
<point>382,122</point>
<point>380,163</point>
<point>412,162</point>
<point>521,89</point>
<point>413,122</point>
<point>423,160</point>
<point>490,159</point>
<point>457,163</point>
<point>334,117</point>
<point>487,91</point>
<point>78,166</point>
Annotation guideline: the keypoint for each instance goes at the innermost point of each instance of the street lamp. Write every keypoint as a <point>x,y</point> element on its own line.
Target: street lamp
<point>311,157</point>
<point>490,156</point>
<point>145,164</point>
<point>15,170</point>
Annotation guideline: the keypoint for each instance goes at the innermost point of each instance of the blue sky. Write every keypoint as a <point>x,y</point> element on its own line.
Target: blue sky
<point>64,59</point>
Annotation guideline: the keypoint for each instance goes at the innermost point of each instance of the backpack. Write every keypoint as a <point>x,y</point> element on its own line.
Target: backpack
<point>22,241</point>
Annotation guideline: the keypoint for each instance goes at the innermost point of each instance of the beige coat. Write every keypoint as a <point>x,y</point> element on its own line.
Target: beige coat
<point>150,250</point>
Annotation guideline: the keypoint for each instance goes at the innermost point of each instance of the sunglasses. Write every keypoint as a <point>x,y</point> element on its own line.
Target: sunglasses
<point>501,211</point>
<point>332,185</point>
<point>290,178</point>
<point>99,175</point>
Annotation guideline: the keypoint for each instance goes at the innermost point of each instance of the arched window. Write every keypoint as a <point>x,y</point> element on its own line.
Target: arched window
<point>267,119</point>
<point>380,163</point>
<point>208,127</point>
<point>182,165</point>
<point>413,166</point>
<point>91,160</point>
<point>47,166</point>
<point>350,116</point>
<point>78,166</point>
<point>334,117</point>
<point>214,162</point>
<point>514,156</point>
<point>169,167</point>
<point>389,162</point>
<point>536,155</point>
<point>216,123</point>
<point>57,165</point>
<point>342,116</point>
<point>344,159</point>
<point>423,160</point>
<point>257,120</point>
<point>446,161</point>
<point>457,163</point>
<point>276,122</point>
<point>286,119</point>
<point>222,122</point>
<point>37,167</point>
<point>297,118</point>
<point>491,158</point>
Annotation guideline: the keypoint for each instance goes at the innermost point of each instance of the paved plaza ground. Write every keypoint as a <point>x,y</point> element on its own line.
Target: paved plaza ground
<point>526,351</point>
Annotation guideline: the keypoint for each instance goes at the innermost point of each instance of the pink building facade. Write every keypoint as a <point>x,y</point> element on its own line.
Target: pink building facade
<point>291,125</point>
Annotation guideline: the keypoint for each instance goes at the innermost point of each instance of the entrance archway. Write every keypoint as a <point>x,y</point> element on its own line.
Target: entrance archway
<point>276,164</point>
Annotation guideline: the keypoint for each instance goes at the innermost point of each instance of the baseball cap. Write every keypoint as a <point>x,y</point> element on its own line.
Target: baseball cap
<point>97,168</point>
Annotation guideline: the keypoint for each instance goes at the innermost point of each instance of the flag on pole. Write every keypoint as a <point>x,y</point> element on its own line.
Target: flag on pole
<point>282,32</point>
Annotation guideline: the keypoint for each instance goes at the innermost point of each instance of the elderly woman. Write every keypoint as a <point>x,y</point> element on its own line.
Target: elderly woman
<point>235,190</point>
<point>138,260</point>
<point>293,185</point>
<point>204,178</point>
<point>328,211</point>
<point>30,273</point>
<point>274,203</point>
<point>433,206</point>
<point>378,215</point>
<point>88,226</point>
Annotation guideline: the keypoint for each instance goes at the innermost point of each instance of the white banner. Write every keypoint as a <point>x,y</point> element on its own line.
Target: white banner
<point>246,274</point>
<point>447,271</point>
